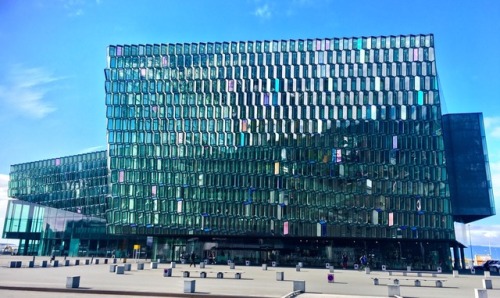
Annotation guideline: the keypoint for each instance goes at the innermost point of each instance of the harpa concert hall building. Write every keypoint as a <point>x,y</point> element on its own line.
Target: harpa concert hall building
<point>275,150</point>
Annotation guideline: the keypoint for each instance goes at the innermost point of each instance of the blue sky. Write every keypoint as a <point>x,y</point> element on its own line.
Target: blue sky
<point>52,56</point>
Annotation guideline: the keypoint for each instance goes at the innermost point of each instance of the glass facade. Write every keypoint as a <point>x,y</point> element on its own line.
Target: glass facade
<point>468,165</point>
<point>278,143</point>
<point>61,206</point>
<point>284,150</point>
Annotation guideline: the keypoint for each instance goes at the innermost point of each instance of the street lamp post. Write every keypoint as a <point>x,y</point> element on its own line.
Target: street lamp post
<point>470,245</point>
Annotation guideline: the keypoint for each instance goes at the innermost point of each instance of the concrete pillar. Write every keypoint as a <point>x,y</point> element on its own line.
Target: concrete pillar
<point>487,284</point>
<point>456,263</point>
<point>299,285</point>
<point>393,290</point>
<point>480,293</point>
<point>189,286</point>
<point>72,281</point>
<point>462,257</point>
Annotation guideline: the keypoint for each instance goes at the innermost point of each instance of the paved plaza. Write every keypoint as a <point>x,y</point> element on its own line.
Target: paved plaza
<point>255,281</point>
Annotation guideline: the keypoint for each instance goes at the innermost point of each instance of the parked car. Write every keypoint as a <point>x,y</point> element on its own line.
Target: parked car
<point>486,265</point>
<point>495,267</point>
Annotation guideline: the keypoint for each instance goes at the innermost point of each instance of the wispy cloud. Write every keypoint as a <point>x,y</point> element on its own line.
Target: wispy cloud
<point>263,11</point>
<point>25,90</point>
<point>74,8</point>
<point>485,235</point>
<point>492,126</point>
<point>4,182</point>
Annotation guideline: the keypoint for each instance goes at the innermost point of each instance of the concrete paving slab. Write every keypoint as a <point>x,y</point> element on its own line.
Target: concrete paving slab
<point>254,282</point>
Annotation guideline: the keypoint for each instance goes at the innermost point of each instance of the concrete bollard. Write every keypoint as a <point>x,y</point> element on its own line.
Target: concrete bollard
<point>367,270</point>
<point>280,275</point>
<point>330,277</point>
<point>77,262</point>
<point>72,282</point>
<point>153,265</point>
<point>202,265</point>
<point>66,263</point>
<point>487,273</point>
<point>408,268</point>
<point>247,263</point>
<point>480,293</point>
<point>120,269</point>
<point>393,290</point>
<point>31,264</point>
<point>264,266</point>
<point>189,286</point>
<point>43,264</point>
<point>455,273</point>
<point>172,264</point>
<point>127,267</point>
<point>97,261</point>
<point>140,266</point>
<point>332,269</point>
<point>112,268</point>
<point>297,268</point>
<point>273,263</point>
<point>231,266</point>
<point>299,285</point>
<point>56,263</point>
<point>487,284</point>
<point>167,272</point>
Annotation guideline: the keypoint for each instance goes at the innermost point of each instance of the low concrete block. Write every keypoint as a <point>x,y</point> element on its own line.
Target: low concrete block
<point>299,285</point>
<point>127,267</point>
<point>330,277</point>
<point>480,293</point>
<point>417,283</point>
<point>487,273</point>
<point>140,266</point>
<point>12,264</point>
<point>202,265</point>
<point>375,281</point>
<point>56,263</point>
<point>87,262</point>
<point>393,290</point>
<point>167,272</point>
<point>332,269</point>
<point>439,284</point>
<point>231,266</point>
<point>487,284</point>
<point>237,275</point>
<point>112,268</point>
<point>273,263</point>
<point>72,281</point>
<point>280,275</point>
<point>105,261</point>
<point>367,270</point>
<point>97,261</point>
<point>297,268</point>
<point>77,262</point>
<point>172,264</point>
<point>120,269</point>
<point>153,265</point>
<point>189,286</point>
<point>455,273</point>
<point>264,266</point>
<point>31,264</point>
<point>66,263</point>
<point>43,264</point>
<point>247,263</point>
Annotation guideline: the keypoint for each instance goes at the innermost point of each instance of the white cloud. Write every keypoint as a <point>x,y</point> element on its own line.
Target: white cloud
<point>492,126</point>
<point>263,11</point>
<point>484,235</point>
<point>25,90</point>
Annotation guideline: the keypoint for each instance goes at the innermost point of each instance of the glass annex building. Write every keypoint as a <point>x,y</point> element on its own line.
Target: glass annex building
<point>283,150</point>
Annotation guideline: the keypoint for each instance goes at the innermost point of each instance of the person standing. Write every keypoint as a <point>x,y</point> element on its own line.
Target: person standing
<point>192,257</point>
<point>344,261</point>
